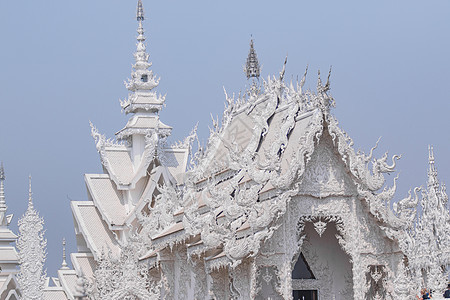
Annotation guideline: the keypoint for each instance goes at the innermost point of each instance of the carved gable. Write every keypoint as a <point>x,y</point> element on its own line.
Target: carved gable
<point>325,173</point>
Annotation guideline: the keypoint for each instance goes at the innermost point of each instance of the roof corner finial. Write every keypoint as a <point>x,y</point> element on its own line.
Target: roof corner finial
<point>64,265</point>
<point>252,67</point>
<point>283,70</point>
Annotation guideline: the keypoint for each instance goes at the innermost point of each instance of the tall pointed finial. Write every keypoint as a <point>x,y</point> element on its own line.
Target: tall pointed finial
<point>3,207</point>
<point>283,70</point>
<point>2,188</point>
<point>252,67</point>
<point>140,11</point>
<point>30,193</point>
<point>141,56</point>
<point>64,265</point>
<point>2,172</point>
<point>432,172</point>
<point>140,18</point>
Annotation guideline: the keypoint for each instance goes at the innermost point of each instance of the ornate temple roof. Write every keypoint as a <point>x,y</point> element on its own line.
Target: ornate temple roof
<point>256,162</point>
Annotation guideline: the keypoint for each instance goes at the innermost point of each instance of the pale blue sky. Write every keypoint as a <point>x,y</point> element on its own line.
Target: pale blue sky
<point>63,63</point>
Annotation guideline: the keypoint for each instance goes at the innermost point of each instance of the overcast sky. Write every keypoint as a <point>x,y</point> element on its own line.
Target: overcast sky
<point>63,63</point>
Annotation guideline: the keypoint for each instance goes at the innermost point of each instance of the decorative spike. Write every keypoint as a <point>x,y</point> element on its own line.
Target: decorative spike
<point>327,85</point>
<point>284,69</point>
<point>302,81</point>
<point>252,67</point>
<point>319,80</point>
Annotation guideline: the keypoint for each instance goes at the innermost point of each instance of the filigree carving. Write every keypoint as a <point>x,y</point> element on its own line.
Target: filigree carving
<point>32,253</point>
<point>126,277</point>
<point>320,227</point>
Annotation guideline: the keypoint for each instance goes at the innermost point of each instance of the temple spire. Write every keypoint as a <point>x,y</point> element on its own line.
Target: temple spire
<point>140,11</point>
<point>141,56</point>
<point>30,193</point>
<point>64,265</point>
<point>3,207</point>
<point>142,100</point>
<point>252,67</point>
<point>432,172</point>
<point>31,252</point>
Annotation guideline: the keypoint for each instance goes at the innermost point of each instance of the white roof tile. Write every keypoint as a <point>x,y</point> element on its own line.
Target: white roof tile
<point>84,262</point>
<point>176,160</point>
<point>120,164</point>
<point>107,198</point>
<point>68,279</point>
<point>94,229</point>
<point>55,294</point>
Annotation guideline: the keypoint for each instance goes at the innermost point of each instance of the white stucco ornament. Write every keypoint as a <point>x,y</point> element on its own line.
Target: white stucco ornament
<point>32,253</point>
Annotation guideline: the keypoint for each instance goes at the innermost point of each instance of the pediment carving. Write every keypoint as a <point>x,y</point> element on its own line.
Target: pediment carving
<point>325,174</point>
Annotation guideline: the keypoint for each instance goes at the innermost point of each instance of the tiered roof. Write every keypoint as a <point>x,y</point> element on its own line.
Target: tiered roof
<point>135,165</point>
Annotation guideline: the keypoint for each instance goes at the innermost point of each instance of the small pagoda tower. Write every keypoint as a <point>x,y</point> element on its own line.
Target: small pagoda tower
<point>252,68</point>
<point>142,103</point>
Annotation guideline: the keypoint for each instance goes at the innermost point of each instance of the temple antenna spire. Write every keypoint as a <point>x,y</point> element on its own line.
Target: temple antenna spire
<point>2,189</point>
<point>140,18</point>
<point>140,11</point>
<point>141,56</point>
<point>432,172</point>
<point>30,193</point>
<point>3,207</point>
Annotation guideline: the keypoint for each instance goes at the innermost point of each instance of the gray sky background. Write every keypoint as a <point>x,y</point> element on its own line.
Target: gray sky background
<point>63,63</point>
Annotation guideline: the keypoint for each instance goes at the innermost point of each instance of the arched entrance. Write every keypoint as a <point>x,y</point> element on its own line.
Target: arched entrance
<point>322,270</point>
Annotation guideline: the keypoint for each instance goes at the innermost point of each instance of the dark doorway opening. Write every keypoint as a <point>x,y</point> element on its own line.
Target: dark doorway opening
<point>301,269</point>
<point>305,295</point>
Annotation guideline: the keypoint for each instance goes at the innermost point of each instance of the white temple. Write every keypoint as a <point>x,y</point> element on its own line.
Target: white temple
<point>278,205</point>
